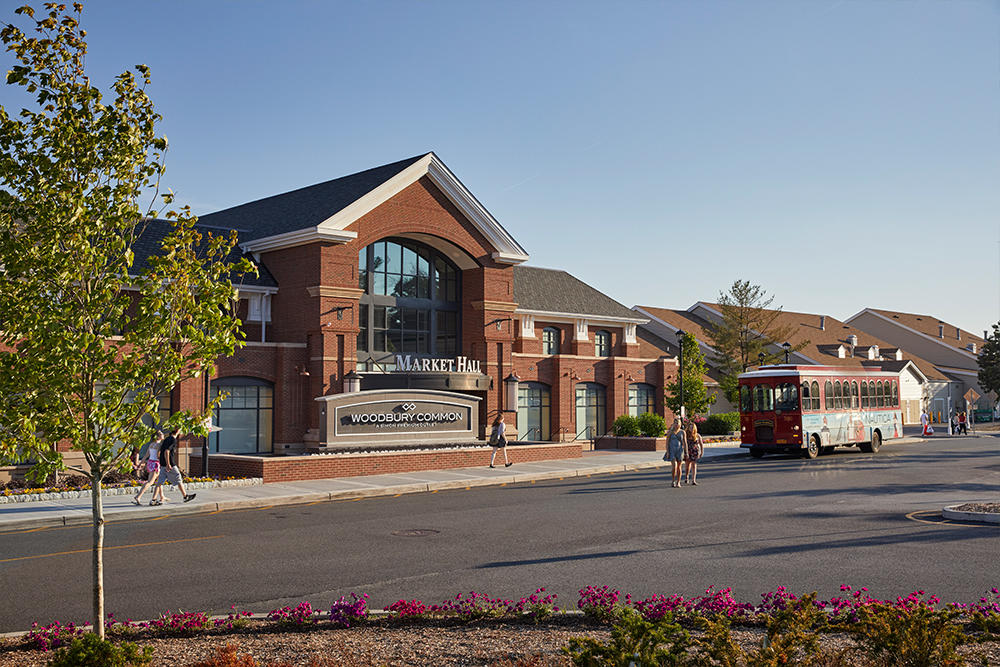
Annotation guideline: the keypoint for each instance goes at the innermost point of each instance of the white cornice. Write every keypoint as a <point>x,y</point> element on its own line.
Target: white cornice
<point>550,316</point>
<point>889,320</point>
<point>334,228</point>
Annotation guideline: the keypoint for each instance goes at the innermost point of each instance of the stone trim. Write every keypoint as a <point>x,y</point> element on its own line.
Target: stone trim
<point>337,292</point>
<point>503,306</point>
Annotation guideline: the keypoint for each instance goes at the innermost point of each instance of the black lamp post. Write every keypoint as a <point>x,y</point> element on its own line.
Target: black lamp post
<point>786,345</point>
<point>760,359</point>
<point>680,367</point>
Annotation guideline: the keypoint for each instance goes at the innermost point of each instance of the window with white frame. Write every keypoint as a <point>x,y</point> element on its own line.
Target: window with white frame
<point>602,344</point>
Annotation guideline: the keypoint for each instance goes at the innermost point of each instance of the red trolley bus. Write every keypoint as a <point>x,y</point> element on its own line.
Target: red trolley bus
<point>812,409</point>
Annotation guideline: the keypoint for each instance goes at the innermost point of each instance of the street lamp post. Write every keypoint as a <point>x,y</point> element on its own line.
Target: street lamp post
<point>760,359</point>
<point>680,367</point>
<point>787,346</point>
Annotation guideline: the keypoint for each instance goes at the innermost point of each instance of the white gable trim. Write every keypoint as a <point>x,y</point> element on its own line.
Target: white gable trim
<point>912,330</point>
<point>593,320</point>
<point>334,229</point>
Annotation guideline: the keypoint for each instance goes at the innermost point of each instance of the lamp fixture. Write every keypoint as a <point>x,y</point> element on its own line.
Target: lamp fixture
<point>499,321</point>
<point>787,346</point>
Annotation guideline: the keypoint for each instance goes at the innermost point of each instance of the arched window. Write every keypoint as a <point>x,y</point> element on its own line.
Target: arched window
<point>895,394</point>
<point>864,394</point>
<point>879,394</point>
<point>550,340</point>
<point>838,396</point>
<point>245,416</point>
<point>602,344</point>
<point>806,402</point>
<point>591,409</point>
<point>815,395</point>
<point>828,395</point>
<point>410,304</point>
<point>534,411</point>
<point>854,395</point>
<point>641,399</point>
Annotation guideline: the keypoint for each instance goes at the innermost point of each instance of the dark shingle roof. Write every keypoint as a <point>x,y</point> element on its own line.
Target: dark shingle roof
<point>555,291</point>
<point>302,208</point>
<point>151,240</point>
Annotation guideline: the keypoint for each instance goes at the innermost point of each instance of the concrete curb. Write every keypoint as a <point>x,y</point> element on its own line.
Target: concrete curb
<point>123,491</point>
<point>982,517</point>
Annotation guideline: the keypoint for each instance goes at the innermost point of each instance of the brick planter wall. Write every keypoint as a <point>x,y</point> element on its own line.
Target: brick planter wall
<point>636,444</point>
<point>295,468</point>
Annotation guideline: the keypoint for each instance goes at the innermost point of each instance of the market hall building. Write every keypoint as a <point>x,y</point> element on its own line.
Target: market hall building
<point>398,279</point>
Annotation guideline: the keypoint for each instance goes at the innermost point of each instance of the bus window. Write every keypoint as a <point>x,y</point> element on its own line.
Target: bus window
<point>838,397</point>
<point>745,399</point>
<point>895,394</point>
<point>814,390</point>
<point>828,395</point>
<point>786,397</point>
<point>879,395</point>
<point>854,394</point>
<point>864,394</point>
<point>763,398</point>
<point>806,404</point>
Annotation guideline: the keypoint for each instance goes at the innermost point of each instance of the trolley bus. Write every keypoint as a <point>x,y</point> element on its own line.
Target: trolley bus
<point>809,410</point>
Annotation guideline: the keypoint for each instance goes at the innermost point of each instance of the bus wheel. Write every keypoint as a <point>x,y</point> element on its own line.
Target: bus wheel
<point>873,446</point>
<point>757,452</point>
<point>812,449</point>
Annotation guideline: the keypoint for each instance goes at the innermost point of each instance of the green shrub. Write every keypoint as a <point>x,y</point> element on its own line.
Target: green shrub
<point>652,426</point>
<point>634,640</point>
<point>92,651</point>
<point>915,636</point>
<point>626,426</point>
<point>723,423</point>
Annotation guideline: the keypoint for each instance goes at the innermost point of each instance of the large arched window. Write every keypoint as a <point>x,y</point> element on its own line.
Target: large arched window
<point>602,344</point>
<point>591,410</point>
<point>410,303</point>
<point>550,340</point>
<point>534,411</point>
<point>245,416</point>
<point>641,399</point>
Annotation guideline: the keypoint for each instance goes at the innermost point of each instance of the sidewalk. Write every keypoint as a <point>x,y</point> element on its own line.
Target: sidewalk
<point>77,511</point>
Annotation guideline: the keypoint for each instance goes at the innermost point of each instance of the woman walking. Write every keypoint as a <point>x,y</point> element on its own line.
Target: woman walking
<point>676,445</point>
<point>693,451</point>
<point>499,441</point>
<point>152,463</point>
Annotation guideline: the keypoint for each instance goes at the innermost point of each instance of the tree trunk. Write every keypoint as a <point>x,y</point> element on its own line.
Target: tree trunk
<point>97,504</point>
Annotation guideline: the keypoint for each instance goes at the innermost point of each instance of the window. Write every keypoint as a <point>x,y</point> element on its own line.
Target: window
<point>828,402</point>
<point>602,344</point>
<point>550,340</point>
<point>746,404</point>
<point>534,401</point>
<point>763,398</point>
<point>838,397</point>
<point>854,395</point>
<point>786,397</point>
<point>895,394</point>
<point>864,395</point>
<point>245,416</point>
<point>880,394</point>
<point>814,390</point>
<point>641,399</point>
<point>410,303</point>
<point>591,411</point>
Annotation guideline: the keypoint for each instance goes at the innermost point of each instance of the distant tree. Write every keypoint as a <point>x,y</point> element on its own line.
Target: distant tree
<point>696,397</point>
<point>748,328</point>
<point>89,341</point>
<point>989,362</point>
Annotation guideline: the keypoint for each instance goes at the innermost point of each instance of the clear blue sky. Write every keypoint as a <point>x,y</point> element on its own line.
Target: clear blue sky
<point>841,154</point>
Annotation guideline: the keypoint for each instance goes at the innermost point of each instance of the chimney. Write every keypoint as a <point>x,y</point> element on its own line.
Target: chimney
<point>958,333</point>
<point>822,322</point>
<point>940,331</point>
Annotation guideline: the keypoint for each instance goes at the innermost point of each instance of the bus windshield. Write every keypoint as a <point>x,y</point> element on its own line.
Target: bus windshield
<point>786,397</point>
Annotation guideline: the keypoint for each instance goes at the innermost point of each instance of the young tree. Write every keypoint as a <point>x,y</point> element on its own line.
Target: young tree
<point>696,397</point>
<point>89,339</point>
<point>748,328</point>
<point>989,362</point>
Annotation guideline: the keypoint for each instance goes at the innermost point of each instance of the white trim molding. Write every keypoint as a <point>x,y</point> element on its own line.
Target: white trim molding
<point>550,316</point>
<point>895,323</point>
<point>527,326</point>
<point>335,228</point>
<point>580,329</point>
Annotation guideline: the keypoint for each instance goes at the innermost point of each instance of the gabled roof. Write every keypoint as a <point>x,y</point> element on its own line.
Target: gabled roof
<point>823,344</point>
<point>325,211</point>
<point>666,322</point>
<point>930,327</point>
<point>554,292</point>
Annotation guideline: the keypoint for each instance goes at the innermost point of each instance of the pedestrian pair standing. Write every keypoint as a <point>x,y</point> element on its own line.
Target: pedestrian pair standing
<point>694,449</point>
<point>166,457</point>
<point>676,451</point>
<point>152,465</point>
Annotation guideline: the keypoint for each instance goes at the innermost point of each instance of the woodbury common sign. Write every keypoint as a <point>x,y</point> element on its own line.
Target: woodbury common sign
<point>397,416</point>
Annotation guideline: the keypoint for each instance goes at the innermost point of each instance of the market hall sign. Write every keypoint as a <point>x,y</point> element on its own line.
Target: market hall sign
<point>394,416</point>
<point>408,364</point>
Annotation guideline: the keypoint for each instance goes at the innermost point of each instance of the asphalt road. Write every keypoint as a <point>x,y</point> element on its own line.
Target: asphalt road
<point>847,518</point>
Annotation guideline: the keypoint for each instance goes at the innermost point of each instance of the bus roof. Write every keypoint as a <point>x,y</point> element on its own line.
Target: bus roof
<point>793,370</point>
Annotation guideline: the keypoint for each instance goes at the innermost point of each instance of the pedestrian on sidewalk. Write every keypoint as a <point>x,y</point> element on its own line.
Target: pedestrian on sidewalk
<point>152,464</point>
<point>676,444</point>
<point>694,449</point>
<point>168,468</point>
<point>963,423</point>
<point>499,441</point>
<point>925,424</point>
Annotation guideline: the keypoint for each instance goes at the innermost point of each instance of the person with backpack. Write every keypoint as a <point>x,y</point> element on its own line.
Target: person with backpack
<point>169,472</point>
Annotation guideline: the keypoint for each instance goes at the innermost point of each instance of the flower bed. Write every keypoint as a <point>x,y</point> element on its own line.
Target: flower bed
<point>27,495</point>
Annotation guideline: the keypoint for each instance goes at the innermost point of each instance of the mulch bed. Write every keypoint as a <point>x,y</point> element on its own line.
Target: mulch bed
<point>989,508</point>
